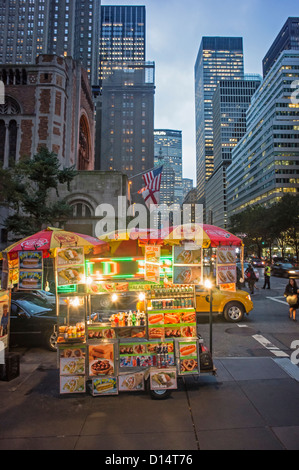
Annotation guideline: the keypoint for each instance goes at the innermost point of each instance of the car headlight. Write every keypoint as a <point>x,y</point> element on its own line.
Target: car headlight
<point>248,297</point>
<point>292,272</point>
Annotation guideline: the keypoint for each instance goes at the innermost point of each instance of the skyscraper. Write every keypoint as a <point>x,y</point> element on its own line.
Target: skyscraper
<point>63,27</point>
<point>231,101</point>
<point>265,163</point>
<point>287,39</point>
<point>168,150</point>
<point>122,37</point>
<point>219,58</point>
<point>127,124</point>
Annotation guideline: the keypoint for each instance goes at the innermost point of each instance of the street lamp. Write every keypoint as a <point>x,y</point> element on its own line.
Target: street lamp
<point>209,285</point>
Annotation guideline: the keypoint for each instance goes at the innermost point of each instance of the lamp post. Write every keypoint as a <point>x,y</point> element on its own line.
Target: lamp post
<point>208,285</point>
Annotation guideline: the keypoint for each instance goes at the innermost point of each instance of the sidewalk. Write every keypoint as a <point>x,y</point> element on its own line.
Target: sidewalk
<point>252,403</point>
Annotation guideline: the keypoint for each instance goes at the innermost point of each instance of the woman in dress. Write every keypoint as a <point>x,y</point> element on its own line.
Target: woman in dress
<point>291,294</point>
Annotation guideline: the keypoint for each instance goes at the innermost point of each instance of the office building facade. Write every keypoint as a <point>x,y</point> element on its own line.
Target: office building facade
<point>219,58</point>
<point>265,163</point>
<point>287,39</point>
<point>230,104</point>
<point>122,37</point>
<point>168,151</point>
<point>62,27</point>
<point>187,186</point>
<point>127,133</point>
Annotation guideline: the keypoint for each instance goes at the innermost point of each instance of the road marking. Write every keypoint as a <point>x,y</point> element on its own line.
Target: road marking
<point>269,346</point>
<point>276,299</point>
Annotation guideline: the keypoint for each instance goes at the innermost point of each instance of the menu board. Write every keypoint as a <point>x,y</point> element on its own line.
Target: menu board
<point>163,379</point>
<point>172,324</point>
<point>70,256</point>
<point>10,270</point>
<point>104,386</point>
<point>72,361</point>
<point>101,359</point>
<point>187,264</point>
<point>144,354</point>
<point>152,263</point>
<point>226,268</point>
<point>73,384</point>
<point>72,369</point>
<point>31,260</point>
<point>4,321</point>
<point>133,382</point>
<point>30,270</point>
<point>188,357</point>
<point>70,266</point>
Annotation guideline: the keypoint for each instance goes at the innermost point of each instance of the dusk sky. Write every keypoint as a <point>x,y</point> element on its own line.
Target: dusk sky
<point>174,29</point>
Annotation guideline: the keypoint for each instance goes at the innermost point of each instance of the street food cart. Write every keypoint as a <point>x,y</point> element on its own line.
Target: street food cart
<point>141,331</point>
<point>126,305</point>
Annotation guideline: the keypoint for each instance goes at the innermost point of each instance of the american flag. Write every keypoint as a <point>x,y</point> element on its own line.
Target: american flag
<point>151,191</point>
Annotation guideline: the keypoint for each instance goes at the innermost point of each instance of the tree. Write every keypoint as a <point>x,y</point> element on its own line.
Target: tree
<point>288,220</point>
<point>25,189</point>
<point>278,223</point>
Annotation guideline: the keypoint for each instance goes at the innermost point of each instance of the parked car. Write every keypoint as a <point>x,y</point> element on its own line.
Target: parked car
<point>33,323</point>
<point>40,297</point>
<point>285,270</point>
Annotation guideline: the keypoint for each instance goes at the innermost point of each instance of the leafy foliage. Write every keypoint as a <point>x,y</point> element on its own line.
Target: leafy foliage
<point>26,189</point>
<point>264,226</point>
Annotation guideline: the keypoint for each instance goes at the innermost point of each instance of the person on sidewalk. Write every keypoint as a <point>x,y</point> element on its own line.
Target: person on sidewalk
<point>267,275</point>
<point>291,294</point>
<point>250,278</point>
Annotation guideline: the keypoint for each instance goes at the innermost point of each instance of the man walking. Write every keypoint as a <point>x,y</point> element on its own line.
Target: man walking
<point>267,275</point>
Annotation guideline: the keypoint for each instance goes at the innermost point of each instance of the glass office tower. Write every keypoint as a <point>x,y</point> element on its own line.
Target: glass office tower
<point>287,39</point>
<point>219,58</point>
<point>168,149</point>
<point>231,101</point>
<point>265,163</point>
<point>122,37</point>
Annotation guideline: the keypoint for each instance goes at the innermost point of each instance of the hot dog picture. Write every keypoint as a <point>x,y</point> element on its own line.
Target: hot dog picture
<point>187,350</point>
<point>188,318</point>
<point>156,319</point>
<point>230,276</point>
<point>156,332</point>
<point>222,257</point>
<point>171,318</point>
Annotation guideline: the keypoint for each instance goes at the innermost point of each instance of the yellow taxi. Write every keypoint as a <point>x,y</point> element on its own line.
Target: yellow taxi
<point>232,305</point>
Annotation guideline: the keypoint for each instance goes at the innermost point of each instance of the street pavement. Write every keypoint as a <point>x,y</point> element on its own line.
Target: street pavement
<point>252,404</point>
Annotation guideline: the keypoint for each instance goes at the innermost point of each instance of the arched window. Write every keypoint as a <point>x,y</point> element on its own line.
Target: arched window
<point>84,145</point>
<point>13,131</point>
<point>11,106</point>
<point>81,209</point>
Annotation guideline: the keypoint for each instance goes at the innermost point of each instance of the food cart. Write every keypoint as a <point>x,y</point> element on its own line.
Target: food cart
<point>141,331</point>
<point>126,305</point>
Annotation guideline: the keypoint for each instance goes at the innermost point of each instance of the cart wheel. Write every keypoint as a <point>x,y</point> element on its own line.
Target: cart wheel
<point>160,394</point>
<point>157,394</point>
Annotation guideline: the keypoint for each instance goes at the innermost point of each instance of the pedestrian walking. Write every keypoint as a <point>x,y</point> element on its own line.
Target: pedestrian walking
<point>251,278</point>
<point>291,294</point>
<point>267,275</point>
